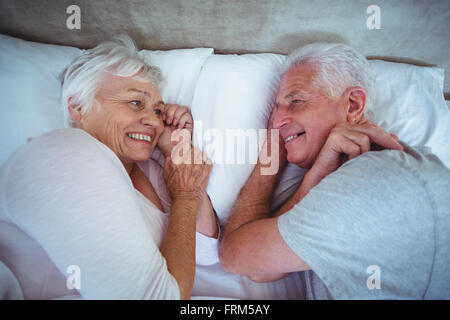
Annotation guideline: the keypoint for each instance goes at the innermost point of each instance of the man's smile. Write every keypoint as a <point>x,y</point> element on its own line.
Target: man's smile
<point>289,138</point>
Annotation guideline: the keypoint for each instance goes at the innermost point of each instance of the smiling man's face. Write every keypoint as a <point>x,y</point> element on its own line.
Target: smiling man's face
<point>305,115</point>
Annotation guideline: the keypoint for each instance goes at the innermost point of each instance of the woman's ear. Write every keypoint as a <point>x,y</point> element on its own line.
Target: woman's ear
<point>74,111</point>
<point>356,104</point>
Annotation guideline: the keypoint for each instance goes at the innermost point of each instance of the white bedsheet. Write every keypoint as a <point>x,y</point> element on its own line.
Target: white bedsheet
<point>213,282</point>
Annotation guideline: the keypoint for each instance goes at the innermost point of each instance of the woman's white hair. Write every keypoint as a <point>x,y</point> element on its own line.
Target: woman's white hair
<point>119,57</point>
<point>337,67</point>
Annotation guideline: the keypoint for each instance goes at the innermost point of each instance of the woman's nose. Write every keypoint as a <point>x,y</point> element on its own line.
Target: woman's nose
<point>151,119</point>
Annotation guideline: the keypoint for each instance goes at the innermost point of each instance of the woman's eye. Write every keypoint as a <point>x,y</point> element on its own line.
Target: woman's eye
<point>158,112</point>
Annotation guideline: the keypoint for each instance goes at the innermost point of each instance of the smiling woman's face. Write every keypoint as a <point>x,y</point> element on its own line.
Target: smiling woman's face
<point>127,119</point>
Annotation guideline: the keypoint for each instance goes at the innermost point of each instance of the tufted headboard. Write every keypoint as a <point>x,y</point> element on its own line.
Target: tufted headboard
<point>410,31</point>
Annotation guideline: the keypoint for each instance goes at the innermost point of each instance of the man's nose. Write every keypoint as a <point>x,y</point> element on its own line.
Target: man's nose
<point>282,118</point>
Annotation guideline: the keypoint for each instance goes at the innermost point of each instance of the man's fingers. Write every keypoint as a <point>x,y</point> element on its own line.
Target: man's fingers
<point>361,139</point>
<point>382,138</point>
<point>273,113</point>
<point>378,135</point>
<point>348,146</point>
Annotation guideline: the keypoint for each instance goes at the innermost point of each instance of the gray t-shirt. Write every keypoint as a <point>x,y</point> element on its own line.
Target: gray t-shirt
<point>376,228</point>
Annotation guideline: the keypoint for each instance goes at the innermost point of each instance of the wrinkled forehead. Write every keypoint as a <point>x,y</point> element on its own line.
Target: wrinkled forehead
<point>111,83</point>
<point>299,79</point>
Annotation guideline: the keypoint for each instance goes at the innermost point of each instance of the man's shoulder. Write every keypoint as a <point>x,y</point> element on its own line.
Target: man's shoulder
<point>418,161</point>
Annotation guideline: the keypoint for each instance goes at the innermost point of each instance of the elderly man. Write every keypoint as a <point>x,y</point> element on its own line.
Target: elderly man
<point>370,226</point>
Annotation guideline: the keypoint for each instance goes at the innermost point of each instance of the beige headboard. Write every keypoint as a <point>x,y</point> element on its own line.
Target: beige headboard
<point>411,31</point>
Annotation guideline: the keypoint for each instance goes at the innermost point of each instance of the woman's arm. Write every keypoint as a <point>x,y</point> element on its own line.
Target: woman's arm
<point>186,184</point>
<point>177,118</point>
<point>207,219</point>
<point>81,208</point>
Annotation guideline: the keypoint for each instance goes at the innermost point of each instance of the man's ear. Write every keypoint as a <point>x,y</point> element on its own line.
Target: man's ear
<point>356,104</point>
<point>74,111</point>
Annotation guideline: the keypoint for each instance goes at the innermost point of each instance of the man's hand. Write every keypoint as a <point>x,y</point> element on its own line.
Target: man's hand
<point>347,141</point>
<point>175,118</point>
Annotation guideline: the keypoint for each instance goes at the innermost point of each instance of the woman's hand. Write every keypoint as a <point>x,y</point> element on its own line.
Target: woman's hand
<point>347,141</point>
<point>187,177</point>
<point>175,118</point>
<point>186,182</point>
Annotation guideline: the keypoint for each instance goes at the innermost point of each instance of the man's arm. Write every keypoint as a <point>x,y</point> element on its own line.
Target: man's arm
<point>254,199</point>
<point>252,244</point>
<point>251,229</point>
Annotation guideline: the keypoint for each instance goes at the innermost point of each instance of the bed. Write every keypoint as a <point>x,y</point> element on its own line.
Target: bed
<point>222,59</point>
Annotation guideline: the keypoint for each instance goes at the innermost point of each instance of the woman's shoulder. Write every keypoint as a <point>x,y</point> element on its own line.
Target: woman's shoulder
<point>61,151</point>
<point>65,138</point>
<point>67,142</point>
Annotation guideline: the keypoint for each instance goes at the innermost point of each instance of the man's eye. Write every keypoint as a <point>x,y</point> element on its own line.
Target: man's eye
<point>158,112</point>
<point>137,103</point>
<point>296,103</point>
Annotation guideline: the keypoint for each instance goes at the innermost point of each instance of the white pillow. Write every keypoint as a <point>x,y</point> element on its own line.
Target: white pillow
<point>233,92</point>
<point>29,90</point>
<point>409,102</point>
<point>181,69</point>
<point>30,85</point>
<point>236,92</point>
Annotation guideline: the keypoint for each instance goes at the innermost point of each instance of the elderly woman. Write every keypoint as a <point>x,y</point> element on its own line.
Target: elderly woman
<point>84,211</point>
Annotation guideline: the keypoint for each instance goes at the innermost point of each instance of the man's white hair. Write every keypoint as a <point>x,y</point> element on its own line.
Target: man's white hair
<point>118,57</point>
<point>337,67</point>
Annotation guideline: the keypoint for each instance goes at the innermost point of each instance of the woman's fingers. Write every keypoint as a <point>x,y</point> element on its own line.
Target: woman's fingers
<point>197,155</point>
<point>179,112</point>
<point>188,177</point>
<point>179,116</point>
<point>185,121</point>
<point>169,113</point>
<point>206,159</point>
